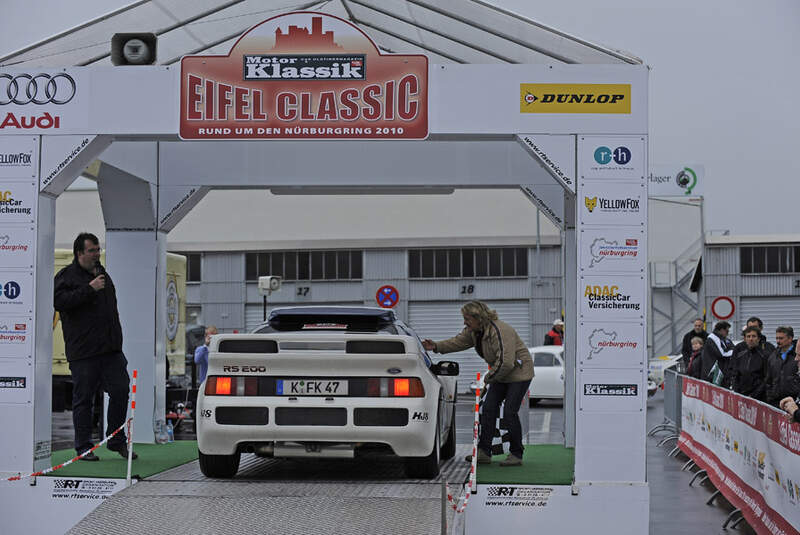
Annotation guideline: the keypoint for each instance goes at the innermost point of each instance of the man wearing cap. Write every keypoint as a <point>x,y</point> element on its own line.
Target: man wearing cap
<point>555,336</point>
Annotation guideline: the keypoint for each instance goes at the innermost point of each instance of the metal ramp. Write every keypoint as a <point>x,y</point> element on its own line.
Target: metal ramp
<point>283,497</point>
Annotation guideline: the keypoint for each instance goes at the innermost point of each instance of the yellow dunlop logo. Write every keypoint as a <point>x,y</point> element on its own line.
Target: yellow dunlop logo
<point>574,98</point>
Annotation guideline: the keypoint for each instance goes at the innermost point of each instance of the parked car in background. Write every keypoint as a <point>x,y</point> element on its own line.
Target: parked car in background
<point>548,368</point>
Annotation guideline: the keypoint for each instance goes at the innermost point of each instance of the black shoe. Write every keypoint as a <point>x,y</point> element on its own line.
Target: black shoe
<point>90,457</point>
<point>122,449</point>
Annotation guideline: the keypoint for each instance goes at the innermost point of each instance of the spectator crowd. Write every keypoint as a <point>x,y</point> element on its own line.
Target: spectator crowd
<point>754,367</point>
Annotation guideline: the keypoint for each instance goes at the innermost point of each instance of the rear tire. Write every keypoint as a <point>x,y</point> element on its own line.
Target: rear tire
<point>425,467</point>
<point>449,448</point>
<point>219,466</point>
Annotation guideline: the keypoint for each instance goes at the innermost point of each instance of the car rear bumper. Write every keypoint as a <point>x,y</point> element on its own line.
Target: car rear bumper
<point>225,424</point>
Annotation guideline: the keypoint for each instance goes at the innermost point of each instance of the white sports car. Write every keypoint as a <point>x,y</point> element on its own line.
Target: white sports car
<point>326,382</point>
<point>548,383</point>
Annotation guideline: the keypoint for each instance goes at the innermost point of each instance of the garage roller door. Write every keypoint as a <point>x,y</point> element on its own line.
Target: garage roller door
<point>440,320</point>
<point>773,311</point>
<point>254,313</point>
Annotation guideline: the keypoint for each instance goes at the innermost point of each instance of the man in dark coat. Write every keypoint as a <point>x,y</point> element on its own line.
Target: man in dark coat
<point>783,379</point>
<point>748,369</point>
<point>686,347</point>
<point>87,302</point>
<point>717,349</point>
<point>766,347</point>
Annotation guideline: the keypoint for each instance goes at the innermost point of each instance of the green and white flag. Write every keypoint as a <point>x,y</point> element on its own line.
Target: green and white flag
<point>715,375</point>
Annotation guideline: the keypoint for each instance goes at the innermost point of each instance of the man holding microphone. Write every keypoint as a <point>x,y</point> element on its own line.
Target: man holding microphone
<point>87,302</point>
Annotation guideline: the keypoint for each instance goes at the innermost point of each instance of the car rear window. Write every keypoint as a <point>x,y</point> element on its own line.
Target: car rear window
<point>543,359</point>
<point>327,323</point>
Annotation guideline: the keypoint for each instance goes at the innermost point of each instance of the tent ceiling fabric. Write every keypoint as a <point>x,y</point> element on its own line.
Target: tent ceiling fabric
<point>448,31</point>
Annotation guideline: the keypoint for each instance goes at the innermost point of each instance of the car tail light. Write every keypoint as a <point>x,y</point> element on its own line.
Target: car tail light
<point>385,387</point>
<point>401,387</point>
<point>231,386</point>
<point>223,386</point>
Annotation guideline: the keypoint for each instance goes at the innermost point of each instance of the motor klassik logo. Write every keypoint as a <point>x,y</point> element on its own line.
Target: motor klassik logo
<point>13,382</point>
<point>305,67</point>
<point>304,75</point>
<point>627,390</point>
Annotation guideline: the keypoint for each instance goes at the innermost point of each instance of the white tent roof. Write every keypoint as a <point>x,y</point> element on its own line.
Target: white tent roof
<point>448,31</point>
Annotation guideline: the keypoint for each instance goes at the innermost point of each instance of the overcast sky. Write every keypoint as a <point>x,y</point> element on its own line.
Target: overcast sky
<point>723,87</point>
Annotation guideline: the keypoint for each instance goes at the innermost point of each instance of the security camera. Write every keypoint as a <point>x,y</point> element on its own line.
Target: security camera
<point>269,284</point>
<point>133,49</point>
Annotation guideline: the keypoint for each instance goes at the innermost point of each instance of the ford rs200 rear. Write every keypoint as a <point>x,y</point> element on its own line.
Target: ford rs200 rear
<point>320,393</point>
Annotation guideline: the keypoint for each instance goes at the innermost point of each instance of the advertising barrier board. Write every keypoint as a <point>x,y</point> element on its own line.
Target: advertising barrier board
<point>750,452</point>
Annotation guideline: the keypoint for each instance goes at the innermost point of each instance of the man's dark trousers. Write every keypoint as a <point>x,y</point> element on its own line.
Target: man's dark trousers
<point>110,373</point>
<point>512,393</point>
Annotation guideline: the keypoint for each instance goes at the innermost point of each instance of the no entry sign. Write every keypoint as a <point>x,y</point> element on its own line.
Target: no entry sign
<point>722,307</point>
<point>387,296</point>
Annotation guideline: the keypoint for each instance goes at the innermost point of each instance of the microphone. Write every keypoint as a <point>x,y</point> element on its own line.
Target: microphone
<point>99,269</point>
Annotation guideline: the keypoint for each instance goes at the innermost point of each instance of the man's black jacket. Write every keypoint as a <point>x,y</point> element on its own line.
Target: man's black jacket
<point>712,354</point>
<point>766,347</point>
<point>782,377</point>
<point>89,318</point>
<point>748,370</point>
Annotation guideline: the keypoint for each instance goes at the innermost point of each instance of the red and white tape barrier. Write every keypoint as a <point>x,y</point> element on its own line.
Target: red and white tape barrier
<point>128,423</point>
<point>470,488</point>
<point>130,428</point>
<point>67,463</point>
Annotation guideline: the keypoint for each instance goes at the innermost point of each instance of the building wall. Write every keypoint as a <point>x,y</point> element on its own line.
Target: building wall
<point>763,294</point>
<point>225,299</point>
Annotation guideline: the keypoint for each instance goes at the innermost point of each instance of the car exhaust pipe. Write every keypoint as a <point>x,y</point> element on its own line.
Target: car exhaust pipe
<point>264,450</point>
<point>335,451</point>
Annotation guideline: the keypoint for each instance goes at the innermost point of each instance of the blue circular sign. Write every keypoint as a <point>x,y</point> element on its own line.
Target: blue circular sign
<point>387,296</point>
<point>622,155</point>
<point>11,290</point>
<point>602,155</point>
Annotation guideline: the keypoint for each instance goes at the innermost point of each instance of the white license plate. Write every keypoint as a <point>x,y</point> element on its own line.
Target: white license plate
<point>311,387</point>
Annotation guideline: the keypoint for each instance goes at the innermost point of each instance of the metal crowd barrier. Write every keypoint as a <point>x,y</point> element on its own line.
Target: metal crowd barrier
<point>673,387</point>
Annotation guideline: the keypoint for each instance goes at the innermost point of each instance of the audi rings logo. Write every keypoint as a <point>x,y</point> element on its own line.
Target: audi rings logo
<point>40,88</point>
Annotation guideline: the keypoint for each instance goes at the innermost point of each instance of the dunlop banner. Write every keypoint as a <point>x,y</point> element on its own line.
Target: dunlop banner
<point>575,98</point>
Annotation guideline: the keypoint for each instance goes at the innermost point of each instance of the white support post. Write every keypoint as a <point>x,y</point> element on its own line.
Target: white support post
<point>136,262</point>
<point>571,320</point>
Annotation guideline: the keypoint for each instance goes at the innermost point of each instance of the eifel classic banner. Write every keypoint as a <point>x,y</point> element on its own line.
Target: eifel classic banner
<point>750,452</point>
<point>304,75</point>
